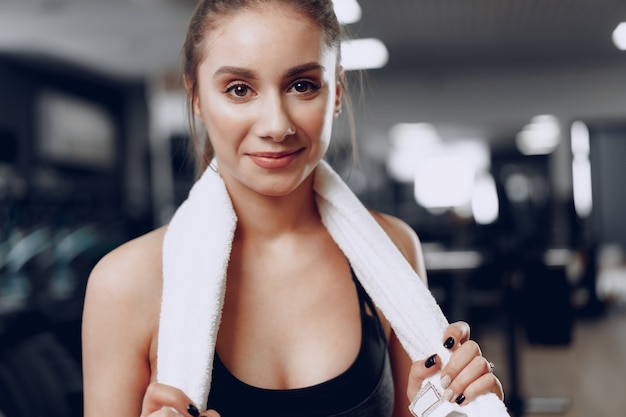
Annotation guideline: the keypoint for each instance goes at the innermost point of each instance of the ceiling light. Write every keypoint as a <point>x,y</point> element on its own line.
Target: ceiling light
<point>413,136</point>
<point>619,36</point>
<point>347,11</point>
<point>485,205</point>
<point>579,138</point>
<point>445,178</point>
<point>581,169</point>
<point>540,137</point>
<point>582,187</point>
<point>409,143</point>
<point>444,181</point>
<point>368,53</point>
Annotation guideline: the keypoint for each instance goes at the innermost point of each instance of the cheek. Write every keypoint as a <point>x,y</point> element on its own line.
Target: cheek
<point>316,121</point>
<point>223,122</point>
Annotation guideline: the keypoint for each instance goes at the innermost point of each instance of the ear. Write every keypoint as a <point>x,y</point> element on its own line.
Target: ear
<point>339,89</point>
<point>195,100</point>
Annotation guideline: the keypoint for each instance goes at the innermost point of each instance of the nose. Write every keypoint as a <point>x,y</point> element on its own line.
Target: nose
<point>274,119</point>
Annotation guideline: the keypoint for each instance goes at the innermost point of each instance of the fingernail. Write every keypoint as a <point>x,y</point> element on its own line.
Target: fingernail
<point>431,361</point>
<point>449,343</point>
<point>193,411</point>
<point>445,381</point>
<point>459,400</point>
<point>447,395</point>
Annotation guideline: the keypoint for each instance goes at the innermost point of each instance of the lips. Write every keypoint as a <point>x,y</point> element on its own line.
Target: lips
<point>274,160</point>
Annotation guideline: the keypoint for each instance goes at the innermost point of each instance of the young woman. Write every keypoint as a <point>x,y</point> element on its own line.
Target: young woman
<point>298,335</point>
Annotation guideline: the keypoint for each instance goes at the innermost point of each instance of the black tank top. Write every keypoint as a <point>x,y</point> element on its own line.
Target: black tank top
<point>364,389</point>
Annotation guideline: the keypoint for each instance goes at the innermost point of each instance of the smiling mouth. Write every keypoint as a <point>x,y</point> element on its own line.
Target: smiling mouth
<point>274,155</point>
<point>273,160</point>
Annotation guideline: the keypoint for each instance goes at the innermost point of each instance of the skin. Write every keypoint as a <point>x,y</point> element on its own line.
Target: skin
<point>268,94</point>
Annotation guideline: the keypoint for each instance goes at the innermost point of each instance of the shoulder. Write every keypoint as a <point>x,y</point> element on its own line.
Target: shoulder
<point>119,325</point>
<point>405,239</point>
<point>128,279</point>
<point>134,263</point>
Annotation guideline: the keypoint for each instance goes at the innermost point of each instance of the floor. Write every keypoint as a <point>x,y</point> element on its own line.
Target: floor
<point>588,376</point>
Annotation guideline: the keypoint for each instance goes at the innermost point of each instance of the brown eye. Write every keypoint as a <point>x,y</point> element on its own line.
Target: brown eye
<point>240,90</point>
<point>304,86</point>
<point>301,87</point>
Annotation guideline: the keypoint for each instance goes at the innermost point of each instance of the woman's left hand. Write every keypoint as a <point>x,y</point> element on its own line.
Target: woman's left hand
<point>466,375</point>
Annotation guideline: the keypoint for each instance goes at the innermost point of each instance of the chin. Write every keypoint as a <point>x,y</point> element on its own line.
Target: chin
<point>281,185</point>
<point>280,189</point>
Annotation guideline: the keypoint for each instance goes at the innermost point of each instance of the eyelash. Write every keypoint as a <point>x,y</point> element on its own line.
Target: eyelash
<point>312,87</point>
<point>230,88</point>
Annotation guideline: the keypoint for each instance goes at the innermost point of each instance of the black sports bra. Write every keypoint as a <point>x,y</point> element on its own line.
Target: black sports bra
<point>364,389</point>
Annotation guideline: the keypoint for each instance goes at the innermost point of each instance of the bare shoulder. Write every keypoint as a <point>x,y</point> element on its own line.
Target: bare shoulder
<point>405,239</point>
<point>120,322</point>
<point>125,284</point>
<point>132,268</point>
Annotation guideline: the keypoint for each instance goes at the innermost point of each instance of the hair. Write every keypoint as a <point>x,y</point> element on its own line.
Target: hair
<point>207,15</point>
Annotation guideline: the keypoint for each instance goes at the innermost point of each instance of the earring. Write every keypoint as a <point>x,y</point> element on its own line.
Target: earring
<point>213,166</point>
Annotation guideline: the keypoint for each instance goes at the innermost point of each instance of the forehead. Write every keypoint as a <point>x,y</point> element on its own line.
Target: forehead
<point>268,36</point>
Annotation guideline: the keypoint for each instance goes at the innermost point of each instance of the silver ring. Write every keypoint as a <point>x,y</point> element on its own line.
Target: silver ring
<point>491,367</point>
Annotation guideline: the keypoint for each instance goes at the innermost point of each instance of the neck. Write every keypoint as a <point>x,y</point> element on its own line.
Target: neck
<point>270,216</point>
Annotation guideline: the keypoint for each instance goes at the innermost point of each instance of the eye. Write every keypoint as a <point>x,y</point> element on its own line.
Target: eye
<point>305,86</point>
<point>238,90</point>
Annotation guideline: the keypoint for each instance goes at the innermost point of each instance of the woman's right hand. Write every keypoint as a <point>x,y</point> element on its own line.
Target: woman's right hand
<point>166,401</point>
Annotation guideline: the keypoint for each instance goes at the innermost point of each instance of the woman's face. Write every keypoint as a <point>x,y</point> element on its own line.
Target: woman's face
<point>268,93</point>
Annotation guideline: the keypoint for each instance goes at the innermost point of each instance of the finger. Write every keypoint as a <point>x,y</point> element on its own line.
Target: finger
<point>484,384</point>
<point>460,359</point>
<point>474,370</point>
<point>210,413</point>
<point>456,334</point>
<point>159,396</point>
<point>164,412</point>
<point>420,370</point>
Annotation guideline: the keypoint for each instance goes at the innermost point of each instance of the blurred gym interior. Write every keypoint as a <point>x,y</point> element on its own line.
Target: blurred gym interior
<point>93,152</point>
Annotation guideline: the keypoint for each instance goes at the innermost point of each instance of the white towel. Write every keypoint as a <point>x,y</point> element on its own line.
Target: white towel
<point>196,252</point>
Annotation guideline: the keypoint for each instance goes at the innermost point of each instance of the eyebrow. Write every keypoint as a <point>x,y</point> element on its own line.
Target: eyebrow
<point>304,68</point>
<point>240,72</point>
<point>246,73</point>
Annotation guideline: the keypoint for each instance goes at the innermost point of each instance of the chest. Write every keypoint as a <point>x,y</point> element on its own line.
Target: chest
<point>289,321</point>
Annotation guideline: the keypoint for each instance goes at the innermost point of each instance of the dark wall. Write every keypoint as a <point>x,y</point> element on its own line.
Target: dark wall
<point>58,217</point>
<point>608,172</point>
<point>16,124</point>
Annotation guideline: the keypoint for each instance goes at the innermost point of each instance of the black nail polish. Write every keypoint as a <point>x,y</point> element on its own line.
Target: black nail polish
<point>192,410</point>
<point>431,361</point>
<point>459,400</point>
<point>449,343</point>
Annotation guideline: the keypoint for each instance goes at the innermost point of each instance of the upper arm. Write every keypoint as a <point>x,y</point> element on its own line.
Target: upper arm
<point>119,321</point>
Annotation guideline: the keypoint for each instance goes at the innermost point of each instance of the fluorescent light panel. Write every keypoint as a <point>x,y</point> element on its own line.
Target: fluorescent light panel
<point>367,53</point>
<point>416,136</point>
<point>444,181</point>
<point>485,205</point>
<point>409,143</point>
<point>581,169</point>
<point>347,11</point>
<point>540,137</point>
<point>619,36</point>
